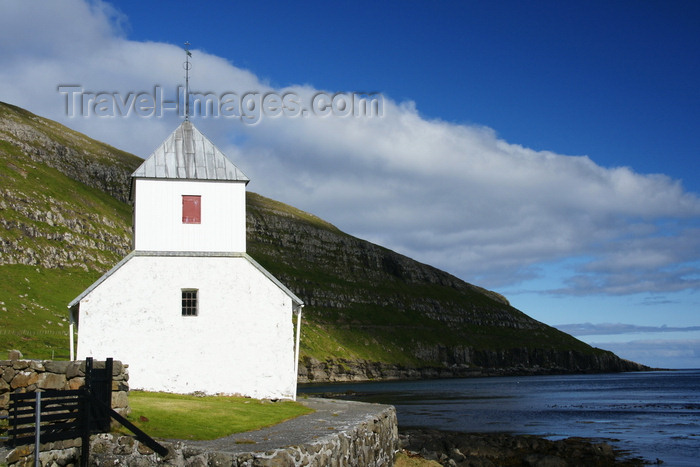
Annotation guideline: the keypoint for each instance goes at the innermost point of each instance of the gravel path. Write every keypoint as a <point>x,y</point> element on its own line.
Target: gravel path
<point>330,417</point>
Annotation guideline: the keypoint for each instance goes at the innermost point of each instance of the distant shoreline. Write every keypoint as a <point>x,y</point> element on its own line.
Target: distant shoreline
<point>508,449</point>
<point>431,373</point>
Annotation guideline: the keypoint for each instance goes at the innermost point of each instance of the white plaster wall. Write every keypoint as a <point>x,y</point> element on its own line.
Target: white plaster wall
<point>240,343</point>
<point>158,216</point>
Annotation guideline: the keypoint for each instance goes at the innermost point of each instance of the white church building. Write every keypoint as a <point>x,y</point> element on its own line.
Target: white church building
<point>188,310</point>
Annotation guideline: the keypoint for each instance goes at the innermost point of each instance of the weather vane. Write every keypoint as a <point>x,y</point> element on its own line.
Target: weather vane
<point>187,65</point>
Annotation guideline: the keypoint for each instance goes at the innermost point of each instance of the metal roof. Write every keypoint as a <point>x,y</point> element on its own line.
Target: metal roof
<point>188,154</point>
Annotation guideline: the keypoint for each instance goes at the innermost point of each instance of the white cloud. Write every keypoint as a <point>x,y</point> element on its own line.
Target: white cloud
<point>455,196</point>
<point>55,31</point>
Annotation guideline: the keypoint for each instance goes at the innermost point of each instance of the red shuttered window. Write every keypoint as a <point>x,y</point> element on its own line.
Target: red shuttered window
<point>191,209</point>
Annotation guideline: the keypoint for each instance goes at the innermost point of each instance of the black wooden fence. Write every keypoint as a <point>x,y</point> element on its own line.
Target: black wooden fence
<point>54,415</point>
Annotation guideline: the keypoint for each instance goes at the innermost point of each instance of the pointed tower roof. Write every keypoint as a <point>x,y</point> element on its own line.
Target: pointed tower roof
<point>188,154</point>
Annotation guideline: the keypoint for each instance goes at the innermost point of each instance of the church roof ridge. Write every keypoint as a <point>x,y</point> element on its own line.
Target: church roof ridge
<point>189,155</point>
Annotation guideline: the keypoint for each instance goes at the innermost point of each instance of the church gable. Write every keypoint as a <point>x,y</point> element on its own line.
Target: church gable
<point>222,311</point>
<point>296,301</point>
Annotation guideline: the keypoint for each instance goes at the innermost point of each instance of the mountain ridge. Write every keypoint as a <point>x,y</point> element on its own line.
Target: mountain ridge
<point>371,312</point>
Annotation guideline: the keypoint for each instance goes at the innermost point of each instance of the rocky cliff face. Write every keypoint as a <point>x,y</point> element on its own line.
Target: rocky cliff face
<point>80,158</point>
<point>63,195</point>
<point>58,235</point>
<point>510,362</point>
<point>322,247</point>
<point>370,312</point>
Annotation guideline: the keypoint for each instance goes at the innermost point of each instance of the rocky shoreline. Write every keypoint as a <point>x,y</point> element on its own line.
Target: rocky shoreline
<point>456,449</point>
<point>343,370</point>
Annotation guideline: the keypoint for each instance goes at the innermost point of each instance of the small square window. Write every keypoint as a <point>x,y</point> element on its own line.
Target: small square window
<point>189,302</point>
<point>191,209</point>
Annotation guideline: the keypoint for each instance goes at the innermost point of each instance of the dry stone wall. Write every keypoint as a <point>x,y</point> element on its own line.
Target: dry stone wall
<point>372,443</point>
<point>17,375</point>
<point>21,376</point>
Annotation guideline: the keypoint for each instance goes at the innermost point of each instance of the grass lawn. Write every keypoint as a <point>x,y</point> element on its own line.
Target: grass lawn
<point>176,416</point>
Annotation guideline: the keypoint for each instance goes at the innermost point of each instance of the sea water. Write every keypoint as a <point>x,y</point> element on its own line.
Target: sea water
<point>655,415</point>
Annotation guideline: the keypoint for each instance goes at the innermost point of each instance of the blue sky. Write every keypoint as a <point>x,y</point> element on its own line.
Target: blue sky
<point>613,80</point>
<point>546,150</point>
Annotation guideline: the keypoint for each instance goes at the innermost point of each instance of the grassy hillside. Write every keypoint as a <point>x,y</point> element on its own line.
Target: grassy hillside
<point>65,222</point>
<point>58,234</point>
<point>33,313</point>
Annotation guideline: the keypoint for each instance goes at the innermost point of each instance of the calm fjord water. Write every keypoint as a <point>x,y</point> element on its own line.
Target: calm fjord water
<point>652,414</point>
